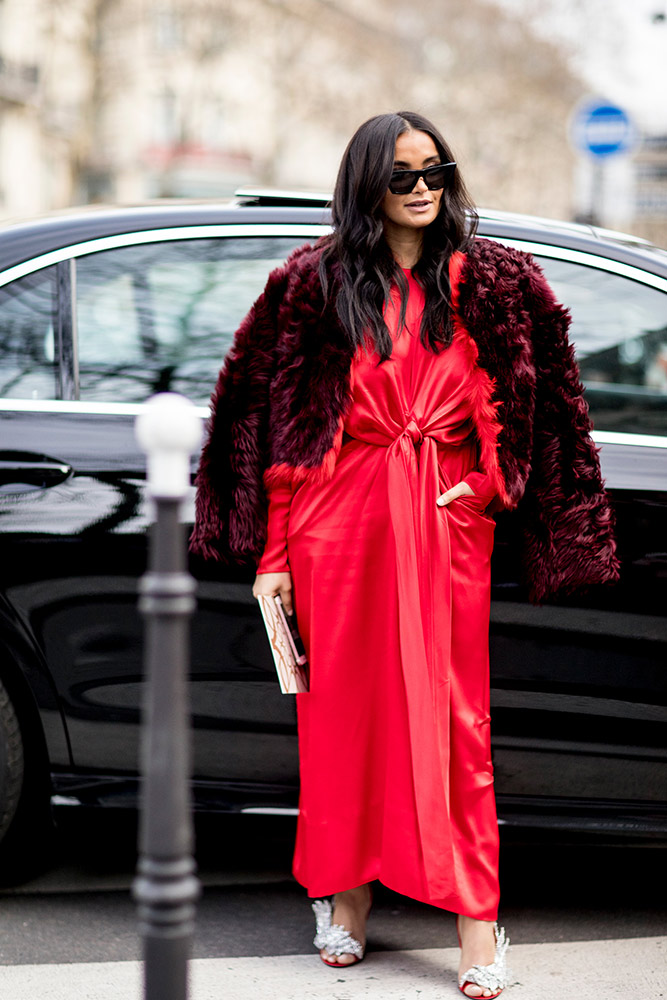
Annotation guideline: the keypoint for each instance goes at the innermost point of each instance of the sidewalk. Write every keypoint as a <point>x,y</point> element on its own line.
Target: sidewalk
<point>612,970</point>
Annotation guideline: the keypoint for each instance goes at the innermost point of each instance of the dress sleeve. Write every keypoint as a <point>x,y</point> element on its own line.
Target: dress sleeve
<point>274,557</point>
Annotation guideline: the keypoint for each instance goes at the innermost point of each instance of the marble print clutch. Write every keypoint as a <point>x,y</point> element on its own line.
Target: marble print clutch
<point>286,644</point>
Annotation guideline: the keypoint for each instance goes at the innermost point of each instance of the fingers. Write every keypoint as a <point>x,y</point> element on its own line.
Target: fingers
<point>275,585</point>
<point>286,598</point>
<point>460,490</point>
<point>269,584</point>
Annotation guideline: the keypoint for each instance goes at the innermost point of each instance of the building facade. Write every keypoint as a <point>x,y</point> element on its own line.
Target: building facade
<point>128,100</point>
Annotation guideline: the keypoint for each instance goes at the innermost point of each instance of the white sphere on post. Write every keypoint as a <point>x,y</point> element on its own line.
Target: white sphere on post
<point>169,430</point>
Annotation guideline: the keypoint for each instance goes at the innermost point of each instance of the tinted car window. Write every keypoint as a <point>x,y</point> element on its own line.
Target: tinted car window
<point>27,353</point>
<point>619,327</point>
<point>161,317</point>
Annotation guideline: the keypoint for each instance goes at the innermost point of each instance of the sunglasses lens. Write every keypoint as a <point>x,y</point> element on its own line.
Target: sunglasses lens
<point>435,179</point>
<point>402,182</point>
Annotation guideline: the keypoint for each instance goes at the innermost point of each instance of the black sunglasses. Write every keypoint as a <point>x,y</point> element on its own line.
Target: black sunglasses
<point>404,181</point>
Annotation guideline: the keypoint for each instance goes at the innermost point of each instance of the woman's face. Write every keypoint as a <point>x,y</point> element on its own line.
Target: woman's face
<point>414,151</point>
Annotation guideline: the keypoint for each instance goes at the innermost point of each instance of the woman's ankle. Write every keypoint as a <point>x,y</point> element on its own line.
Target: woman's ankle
<point>356,895</point>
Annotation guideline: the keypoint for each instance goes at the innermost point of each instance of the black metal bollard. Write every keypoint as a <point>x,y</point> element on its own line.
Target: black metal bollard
<point>166,887</point>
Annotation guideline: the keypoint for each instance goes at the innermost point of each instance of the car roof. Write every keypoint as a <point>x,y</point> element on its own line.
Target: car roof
<point>20,241</point>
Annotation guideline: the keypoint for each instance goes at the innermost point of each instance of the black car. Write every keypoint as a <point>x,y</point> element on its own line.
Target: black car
<point>100,309</point>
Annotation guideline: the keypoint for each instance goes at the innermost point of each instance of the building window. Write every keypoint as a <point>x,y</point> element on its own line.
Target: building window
<point>167,28</point>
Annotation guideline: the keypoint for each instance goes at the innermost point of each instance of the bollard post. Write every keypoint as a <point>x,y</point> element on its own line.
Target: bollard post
<point>166,887</point>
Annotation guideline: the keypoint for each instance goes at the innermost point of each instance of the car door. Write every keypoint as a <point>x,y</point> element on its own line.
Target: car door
<point>94,335</point>
<point>579,700</point>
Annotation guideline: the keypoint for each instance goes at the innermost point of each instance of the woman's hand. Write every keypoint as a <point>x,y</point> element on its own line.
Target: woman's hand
<point>272,584</point>
<point>460,490</point>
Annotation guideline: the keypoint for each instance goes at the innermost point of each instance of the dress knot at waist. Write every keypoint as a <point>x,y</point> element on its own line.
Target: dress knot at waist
<point>413,431</point>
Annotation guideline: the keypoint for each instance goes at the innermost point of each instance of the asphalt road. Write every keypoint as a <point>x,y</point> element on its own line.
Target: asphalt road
<point>581,898</point>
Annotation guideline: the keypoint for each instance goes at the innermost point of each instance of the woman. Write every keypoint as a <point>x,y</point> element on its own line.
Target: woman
<point>393,386</point>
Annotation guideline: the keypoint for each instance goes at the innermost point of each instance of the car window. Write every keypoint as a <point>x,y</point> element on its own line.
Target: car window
<point>619,328</point>
<point>27,354</point>
<point>161,316</point>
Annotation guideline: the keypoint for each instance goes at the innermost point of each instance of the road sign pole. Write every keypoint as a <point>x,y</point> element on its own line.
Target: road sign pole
<point>597,193</point>
<point>166,888</point>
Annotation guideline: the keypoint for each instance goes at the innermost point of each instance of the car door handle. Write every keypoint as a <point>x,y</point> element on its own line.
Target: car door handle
<point>21,472</point>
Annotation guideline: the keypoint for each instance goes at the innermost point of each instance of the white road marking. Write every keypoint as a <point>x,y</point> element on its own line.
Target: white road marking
<point>573,970</point>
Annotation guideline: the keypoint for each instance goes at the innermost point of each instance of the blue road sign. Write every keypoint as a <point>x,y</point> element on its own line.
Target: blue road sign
<point>600,128</point>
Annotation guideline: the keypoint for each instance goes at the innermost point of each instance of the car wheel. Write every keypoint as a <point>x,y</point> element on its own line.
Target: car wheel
<point>11,761</point>
<point>26,824</point>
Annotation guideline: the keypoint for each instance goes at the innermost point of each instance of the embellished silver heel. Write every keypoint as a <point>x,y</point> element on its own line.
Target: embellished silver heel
<point>489,977</point>
<point>333,937</point>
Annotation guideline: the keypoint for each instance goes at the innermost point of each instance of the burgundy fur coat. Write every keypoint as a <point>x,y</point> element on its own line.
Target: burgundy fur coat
<point>283,393</point>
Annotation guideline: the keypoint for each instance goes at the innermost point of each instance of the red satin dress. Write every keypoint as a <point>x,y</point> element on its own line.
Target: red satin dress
<point>392,600</point>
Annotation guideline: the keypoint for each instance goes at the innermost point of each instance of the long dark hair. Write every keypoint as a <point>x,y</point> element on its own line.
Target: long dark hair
<point>364,264</point>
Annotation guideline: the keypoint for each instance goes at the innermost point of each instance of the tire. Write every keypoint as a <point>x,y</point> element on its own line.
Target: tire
<point>11,761</point>
<point>26,824</point>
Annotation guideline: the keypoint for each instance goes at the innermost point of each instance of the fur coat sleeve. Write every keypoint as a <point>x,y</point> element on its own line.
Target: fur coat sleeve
<point>566,515</point>
<point>547,462</point>
<point>230,501</point>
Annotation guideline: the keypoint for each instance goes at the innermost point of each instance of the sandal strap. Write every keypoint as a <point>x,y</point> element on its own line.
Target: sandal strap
<point>333,937</point>
<point>494,976</point>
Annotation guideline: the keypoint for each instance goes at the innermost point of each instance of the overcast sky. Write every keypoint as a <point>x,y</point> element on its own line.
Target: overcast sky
<point>616,45</point>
